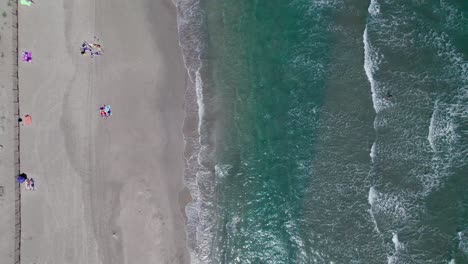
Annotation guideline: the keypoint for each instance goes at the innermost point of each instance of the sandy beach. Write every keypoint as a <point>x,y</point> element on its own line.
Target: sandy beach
<point>107,190</point>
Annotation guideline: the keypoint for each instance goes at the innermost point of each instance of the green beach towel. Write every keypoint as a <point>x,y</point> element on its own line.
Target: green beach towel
<point>25,2</point>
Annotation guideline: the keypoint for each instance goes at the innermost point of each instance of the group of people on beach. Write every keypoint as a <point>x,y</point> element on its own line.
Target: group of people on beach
<point>94,49</point>
<point>105,111</point>
<point>29,182</point>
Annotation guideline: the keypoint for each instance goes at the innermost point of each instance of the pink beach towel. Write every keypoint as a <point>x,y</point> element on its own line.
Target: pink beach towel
<point>26,56</point>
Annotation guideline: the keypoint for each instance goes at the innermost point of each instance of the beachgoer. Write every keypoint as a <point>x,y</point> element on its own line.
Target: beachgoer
<point>28,184</point>
<point>95,53</point>
<point>31,184</point>
<point>389,96</point>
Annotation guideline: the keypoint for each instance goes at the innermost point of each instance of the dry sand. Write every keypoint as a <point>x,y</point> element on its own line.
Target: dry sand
<point>107,190</point>
<point>8,144</point>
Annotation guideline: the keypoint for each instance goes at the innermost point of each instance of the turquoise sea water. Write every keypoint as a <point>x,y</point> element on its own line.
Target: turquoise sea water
<point>294,153</point>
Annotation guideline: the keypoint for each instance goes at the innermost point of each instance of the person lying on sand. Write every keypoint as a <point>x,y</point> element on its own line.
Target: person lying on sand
<point>97,46</point>
<point>28,184</point>
<point>31,184</point>
<point>95,53</point>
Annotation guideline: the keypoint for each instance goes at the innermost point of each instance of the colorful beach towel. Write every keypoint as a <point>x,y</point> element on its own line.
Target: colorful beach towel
<point>26,2</point>
<point>26,56</point>
<point>27,120</point>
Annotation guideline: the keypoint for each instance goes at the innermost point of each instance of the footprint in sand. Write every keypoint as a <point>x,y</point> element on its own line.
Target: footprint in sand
<point>2,124</point>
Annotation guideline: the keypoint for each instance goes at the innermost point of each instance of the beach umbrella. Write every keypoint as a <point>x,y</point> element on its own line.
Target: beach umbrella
<point>26,2</point>
<point>21,178</point>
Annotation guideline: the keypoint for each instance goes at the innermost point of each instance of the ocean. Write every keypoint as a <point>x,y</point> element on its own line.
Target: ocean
<point>326,131</point>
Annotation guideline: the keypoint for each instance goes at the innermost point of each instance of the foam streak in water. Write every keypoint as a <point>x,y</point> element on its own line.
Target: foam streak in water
<point>199,92</point>
<point>430,136</point>
<point>372,59</point>
<point>371,199</point>
<point>393,259</point>
<point>396,242</point>
<point>372,153</point>
<point>369,67</point>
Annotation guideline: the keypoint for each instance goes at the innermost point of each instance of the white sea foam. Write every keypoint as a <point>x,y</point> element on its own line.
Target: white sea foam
<point>443,140</point>
<point>221,170</point>
<point>454,17</point>
<point>294,232</point>
<point>396,242</point>
<point>327,3</point>
<point>371,62</point>
<point>374,8</point>
<point>393,258</point>
<point>430,136</point>
<point>456,67</point>
<point>372,152</point>
<point>389,209</point>
<point>390,206</point>
<point>199,92</point>
<point>441,127</point>
<point>448,113</point>
<point>197,179</point>
<point>368,67</point>
<point>371,199</point>
<point>452,261</point>
<point>462,242</point>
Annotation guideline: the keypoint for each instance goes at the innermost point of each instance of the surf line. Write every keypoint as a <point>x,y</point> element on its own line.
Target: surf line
<point>370,61</point>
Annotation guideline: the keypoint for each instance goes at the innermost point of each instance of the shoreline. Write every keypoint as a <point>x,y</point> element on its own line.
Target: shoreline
<point>189,26</point>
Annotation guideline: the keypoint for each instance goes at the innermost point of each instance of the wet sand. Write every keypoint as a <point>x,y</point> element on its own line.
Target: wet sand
<point>107,189</point>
